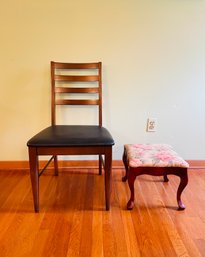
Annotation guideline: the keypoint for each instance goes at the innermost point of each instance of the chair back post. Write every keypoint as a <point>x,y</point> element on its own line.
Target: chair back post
<point>100,93</point>
<point>53,109</point>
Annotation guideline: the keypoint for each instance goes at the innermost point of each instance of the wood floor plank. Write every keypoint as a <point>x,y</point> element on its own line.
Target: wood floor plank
<point>97,223</point>
<point>73,221</point>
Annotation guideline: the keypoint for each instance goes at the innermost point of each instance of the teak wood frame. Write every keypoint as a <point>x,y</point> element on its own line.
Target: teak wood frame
<point>35,152</point>
<point>103,150</point>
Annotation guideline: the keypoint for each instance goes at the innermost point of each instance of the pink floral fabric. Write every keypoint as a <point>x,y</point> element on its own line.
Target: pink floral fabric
<point>153,155</point>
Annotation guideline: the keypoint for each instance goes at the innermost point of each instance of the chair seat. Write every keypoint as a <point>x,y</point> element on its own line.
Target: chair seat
<point>72,135</point>
<point>153,155</point>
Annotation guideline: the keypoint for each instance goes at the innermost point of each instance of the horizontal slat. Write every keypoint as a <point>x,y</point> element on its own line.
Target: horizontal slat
<point>59,65</point>
<point>76,78</point>
<point>76,102</point>
<point>91,90</point>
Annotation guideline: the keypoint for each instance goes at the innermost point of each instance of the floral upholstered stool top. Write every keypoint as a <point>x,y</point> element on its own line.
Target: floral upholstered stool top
<point>155,160</point>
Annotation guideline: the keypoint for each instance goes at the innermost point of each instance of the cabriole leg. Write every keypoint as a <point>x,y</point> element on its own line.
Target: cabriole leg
<point>183,182</point>
<point>131,180</point>
<point>124,158</point>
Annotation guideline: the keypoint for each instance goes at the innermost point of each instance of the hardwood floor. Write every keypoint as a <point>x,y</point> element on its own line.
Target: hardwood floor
<point>73,221</point>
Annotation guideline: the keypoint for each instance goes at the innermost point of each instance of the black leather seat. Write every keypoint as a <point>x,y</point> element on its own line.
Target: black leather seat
<point>80,135</point>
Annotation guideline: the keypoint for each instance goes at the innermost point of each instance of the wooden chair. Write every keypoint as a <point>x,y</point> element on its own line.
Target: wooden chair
<point>155,160</point>
<point>69,80</point>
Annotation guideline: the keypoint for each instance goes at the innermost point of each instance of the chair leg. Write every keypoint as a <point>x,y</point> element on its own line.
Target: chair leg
<point>56,165</point>
<point>100,164</point>
<point>108,176</point>
<point>34,175</point>
<point>183,182</point>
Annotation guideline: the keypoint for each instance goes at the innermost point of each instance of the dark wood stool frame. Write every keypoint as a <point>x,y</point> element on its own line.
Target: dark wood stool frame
<point>133,172</point>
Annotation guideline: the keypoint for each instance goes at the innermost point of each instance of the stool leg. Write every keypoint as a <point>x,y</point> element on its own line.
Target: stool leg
<point>131,180</point>
<point>166,178</point>
<point>124,158</point>
<point>183,182</point>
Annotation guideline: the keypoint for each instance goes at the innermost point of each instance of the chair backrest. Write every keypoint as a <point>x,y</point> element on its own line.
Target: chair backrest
<point>76,84</point>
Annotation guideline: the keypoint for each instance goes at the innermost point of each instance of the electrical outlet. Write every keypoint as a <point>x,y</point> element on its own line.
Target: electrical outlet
<point>151,125</point>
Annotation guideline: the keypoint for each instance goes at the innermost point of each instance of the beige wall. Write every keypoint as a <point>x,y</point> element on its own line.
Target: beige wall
<point>153,55</point>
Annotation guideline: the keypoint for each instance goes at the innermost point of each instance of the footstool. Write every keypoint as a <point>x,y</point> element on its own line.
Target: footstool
<point>155,160</point>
